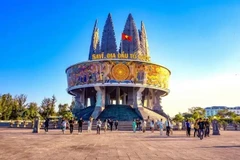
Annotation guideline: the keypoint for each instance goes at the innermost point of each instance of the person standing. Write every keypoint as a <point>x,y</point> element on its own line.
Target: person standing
<point>152,126</point>
<point>160,125</point>
<point>134,125</point>
<point>71,123</point>
<point>111,124</point>
<point>89,126</point>
<point>105,125</point>
<point>116,125</point>
<point>64,126</point>
<point>46,124</point>
<point>80,124</point>
<point>188,125</point>
<point>167,124</point>
<point>99,124</point>
<point>144,126</point>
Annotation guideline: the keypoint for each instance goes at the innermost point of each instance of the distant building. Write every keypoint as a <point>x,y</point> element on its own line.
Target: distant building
<point>212,111</point>
<point>235,109</point>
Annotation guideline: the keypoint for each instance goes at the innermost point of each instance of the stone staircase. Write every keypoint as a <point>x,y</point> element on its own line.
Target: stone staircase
<point>85,113</point>
<point>119,112</point>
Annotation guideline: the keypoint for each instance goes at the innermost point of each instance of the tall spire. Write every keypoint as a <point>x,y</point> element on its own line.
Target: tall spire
<point>130,29</point>
<point>143,40</point>
<point>95,44</point>
<point>108,44</point>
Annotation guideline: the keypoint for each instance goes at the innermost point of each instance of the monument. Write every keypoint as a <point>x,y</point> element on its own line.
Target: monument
<point>215,127</point>
<point>116,83</point>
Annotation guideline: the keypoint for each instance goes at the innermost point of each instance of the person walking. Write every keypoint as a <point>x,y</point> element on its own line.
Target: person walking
<point>196,127</point>
<point>116,124</point>
<point>188,125</point>
<point>134,125</point>
<point>80,124</point>
<point>207,130</point>
<point>71,123</point>
<point>144,126</point>
<point>201,125</point>
<point>160,126</point>
<point>64,126</point>
<point>46,124</point>
<point>99,125</point>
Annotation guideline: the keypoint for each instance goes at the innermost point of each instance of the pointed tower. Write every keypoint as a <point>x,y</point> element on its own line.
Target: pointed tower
<point>108,44</point>
<point>143,40</point>
<point>130,29</point>
<point>95,44</point>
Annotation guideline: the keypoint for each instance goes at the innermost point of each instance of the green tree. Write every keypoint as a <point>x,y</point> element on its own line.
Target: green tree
<point>197,112</point>
<point>47,107</point>
<point>178,118</point>
<point>6,104</point>
<point>33,110</point>
<point>62,109</point>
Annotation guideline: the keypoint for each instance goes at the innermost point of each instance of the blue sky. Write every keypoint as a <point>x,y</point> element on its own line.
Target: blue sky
<point>40,39</point>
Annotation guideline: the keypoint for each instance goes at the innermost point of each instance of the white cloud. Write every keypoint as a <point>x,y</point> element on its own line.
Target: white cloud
<point>216,90</point>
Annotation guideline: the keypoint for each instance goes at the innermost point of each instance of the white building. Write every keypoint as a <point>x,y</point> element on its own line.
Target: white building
<point>235,109</point>
<point>212,111</point>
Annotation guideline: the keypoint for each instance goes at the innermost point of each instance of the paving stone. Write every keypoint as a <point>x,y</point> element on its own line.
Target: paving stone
<point>22,144</point>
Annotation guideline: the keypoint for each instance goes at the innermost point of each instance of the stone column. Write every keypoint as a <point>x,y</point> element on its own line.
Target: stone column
<point>157,102</point>
<point>117,95</point>
<point>124,98</point>
<point>36,128</point>
<point>130,96</point>
<point>138,98</point>
<point>100,101</point>
<point>148,99</point>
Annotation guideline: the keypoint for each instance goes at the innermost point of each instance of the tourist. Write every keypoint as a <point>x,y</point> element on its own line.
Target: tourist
<point>144,126</point>
<point>71,122</point>
<point>80,124</point>
<point>196,127</point>
<point>99,125</point>
<point>137,122</point>
<point>160,126</point>
<point>140,125</point>
<point>89,126</point>
<point>171,128</point>
<point>116,124</point>
<point>201,125</point>
<point>207,125</point>
<point>46,124</point>
<point>134,125</point>
<point>111,124</point>
<point>167,124</point>
<point>105,125</point>
<point>64,125</point>
<point>188,125</point>
<point>152,126</point>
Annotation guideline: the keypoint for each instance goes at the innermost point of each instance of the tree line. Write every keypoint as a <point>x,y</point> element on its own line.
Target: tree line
<point>223,116</point>
<point>17,108</point>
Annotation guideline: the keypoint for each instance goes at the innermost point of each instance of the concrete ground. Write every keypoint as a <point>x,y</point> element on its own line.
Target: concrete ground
<point>21,144</point>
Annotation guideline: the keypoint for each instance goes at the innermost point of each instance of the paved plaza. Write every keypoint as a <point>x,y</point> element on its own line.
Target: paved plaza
<point>22,144</point>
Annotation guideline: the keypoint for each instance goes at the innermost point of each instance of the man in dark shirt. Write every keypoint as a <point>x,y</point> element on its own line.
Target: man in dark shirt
<point>111,124</point>
<point>71,122</point>
<point>46,123</point>
<point>116,125</point>
<point>207,125</point>
<point>80,123</point>
<point>201,125</point>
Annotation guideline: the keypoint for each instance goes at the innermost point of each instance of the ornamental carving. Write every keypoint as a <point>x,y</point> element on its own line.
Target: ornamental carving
<point>120,72</point>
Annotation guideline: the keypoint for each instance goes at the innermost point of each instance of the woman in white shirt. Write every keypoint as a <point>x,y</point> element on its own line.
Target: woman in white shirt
<point>64,126</point>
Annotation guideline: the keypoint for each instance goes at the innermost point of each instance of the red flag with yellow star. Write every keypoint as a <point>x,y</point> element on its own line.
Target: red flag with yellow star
<point>126,37</point>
